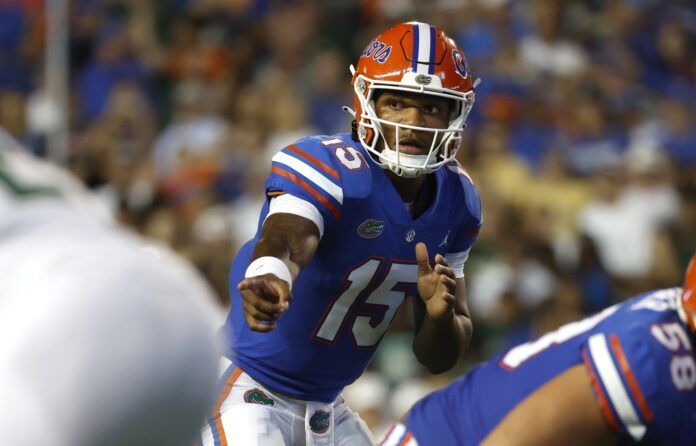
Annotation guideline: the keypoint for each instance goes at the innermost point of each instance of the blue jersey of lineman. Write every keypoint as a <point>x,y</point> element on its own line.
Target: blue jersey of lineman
<point>640,359</point>
<point>345,298</point>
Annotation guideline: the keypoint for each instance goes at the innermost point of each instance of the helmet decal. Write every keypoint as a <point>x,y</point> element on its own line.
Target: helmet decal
<point>423,52</point>
<point>460,63</point>
<point>378,50</point>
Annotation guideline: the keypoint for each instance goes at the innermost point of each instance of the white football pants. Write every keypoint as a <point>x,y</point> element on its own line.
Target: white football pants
<point>248,414</point>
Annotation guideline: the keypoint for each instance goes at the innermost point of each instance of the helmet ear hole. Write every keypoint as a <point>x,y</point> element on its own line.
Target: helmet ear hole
<point>354,130</point>
<point>455,109</point>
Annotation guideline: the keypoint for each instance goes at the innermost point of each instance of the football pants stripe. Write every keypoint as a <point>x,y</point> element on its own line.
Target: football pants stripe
<point>219,437</point>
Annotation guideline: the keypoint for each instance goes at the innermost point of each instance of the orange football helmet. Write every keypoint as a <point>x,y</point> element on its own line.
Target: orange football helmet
<point>688,297</point>
<point>412,57</point>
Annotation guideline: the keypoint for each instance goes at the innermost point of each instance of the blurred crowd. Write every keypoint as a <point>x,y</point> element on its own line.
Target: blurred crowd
<point>582,141</point>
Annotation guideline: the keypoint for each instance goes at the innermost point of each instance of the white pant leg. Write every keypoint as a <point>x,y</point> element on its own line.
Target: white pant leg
<point>351,430</point>
<point>248,414</point>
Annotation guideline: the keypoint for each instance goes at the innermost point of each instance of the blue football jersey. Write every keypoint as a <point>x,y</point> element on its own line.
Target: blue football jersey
<point>640,359</point>
<point>365,265</point>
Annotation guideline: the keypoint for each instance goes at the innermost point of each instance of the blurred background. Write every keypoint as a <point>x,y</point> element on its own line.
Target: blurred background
<point>582,141</point>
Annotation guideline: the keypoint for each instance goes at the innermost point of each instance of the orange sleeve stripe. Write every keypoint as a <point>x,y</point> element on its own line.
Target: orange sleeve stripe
<point>313,160</point>
<point>406,439</point>
<point>602,399</point>
<point>292,177</point>
<point>224,393</point>
<point>630,378</point>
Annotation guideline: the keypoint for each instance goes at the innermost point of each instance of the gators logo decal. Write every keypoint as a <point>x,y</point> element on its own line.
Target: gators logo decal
<point>370,228</point>
<point>256,396</point>
<point>320,422</point>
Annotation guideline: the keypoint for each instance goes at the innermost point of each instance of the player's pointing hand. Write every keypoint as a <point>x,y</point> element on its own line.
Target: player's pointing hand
<point>436,285</point>
<point>265,298</point>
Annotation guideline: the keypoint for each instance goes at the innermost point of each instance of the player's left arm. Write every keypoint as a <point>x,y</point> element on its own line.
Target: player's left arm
<point>563,411</point>
<point>444,327</point>
<point>442,315</point>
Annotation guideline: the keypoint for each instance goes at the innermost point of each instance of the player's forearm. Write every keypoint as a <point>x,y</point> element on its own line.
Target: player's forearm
<point>292,239</point>
<point>275,246</point>
<point>439,344</point>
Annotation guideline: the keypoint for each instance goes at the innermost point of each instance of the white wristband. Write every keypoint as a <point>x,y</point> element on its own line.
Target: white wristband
<point>272,265</point>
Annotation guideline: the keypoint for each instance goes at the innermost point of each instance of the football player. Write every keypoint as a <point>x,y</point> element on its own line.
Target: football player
<point>626,375</point>
<point>102,342</point>
<point>352,226</point>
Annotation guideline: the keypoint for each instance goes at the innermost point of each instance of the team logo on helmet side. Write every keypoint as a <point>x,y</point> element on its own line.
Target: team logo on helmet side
<point>378,50</point>
<point>460,63</point>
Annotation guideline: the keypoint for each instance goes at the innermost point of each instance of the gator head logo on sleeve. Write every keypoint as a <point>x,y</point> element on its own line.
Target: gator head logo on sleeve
<point>370,228</point>
<point>320,422</point>
<point>256,396</point>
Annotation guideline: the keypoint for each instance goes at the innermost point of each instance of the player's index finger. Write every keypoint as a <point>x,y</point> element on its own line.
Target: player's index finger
<point>282,291</point>
<point>271,290</point>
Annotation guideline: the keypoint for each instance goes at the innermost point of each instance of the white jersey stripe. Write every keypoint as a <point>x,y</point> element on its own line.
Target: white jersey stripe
<point>611,380</point>
<point>310,173</point>
<point>423,48</point>
<point>457,261</point>
<point>394,436</point>
<point>289,204</point>
<point>330,142</point>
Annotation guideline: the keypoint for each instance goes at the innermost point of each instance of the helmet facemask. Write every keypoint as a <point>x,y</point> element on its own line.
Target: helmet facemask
<point>445,141</point>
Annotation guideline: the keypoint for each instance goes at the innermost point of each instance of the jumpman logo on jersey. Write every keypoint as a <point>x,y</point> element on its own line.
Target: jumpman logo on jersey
<point>444,241</point>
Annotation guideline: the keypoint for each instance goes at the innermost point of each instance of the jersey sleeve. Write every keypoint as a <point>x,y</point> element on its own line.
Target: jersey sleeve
<point>468,230</point>
<point>634,381</point>
<point>306,171</point>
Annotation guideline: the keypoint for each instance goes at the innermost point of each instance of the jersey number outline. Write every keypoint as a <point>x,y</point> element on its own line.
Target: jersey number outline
<point>350,157</point>
<point>385,290</point>
<point>520,354</point>
<point>682,367</point>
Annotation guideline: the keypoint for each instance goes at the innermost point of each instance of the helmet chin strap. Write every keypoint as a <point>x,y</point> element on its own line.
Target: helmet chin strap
<point>388,157</point>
